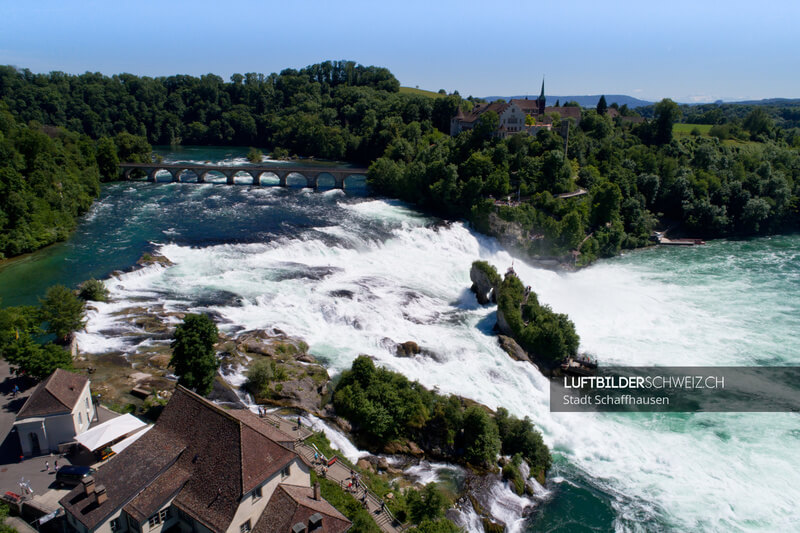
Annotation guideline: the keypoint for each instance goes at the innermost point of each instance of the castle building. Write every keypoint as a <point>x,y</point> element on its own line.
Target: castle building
<point>513,115</point>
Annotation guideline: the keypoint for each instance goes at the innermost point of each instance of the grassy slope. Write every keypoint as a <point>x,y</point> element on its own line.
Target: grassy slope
<point>430,94</point>
<point>685,129</point>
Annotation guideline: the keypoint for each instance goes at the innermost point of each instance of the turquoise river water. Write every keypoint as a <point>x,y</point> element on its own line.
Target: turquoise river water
<point>355,274</point>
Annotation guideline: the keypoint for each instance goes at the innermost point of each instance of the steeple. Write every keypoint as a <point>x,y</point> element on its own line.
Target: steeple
<point>541,101</point>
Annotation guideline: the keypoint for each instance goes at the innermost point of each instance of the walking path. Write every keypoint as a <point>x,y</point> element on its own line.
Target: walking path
<point>336,471</point>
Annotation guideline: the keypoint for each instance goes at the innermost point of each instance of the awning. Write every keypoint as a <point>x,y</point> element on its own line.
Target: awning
<point>121,445</point>
<point>107,432</point>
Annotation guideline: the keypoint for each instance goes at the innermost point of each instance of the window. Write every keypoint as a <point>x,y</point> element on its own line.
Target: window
<point>154,521</point>
<point>164,514</point>
<point>115,525</point>
<point>245,528</point>
<point>87,404</point>
<point>285,472</point>
<point>80,419</point>
<point>257,494</point>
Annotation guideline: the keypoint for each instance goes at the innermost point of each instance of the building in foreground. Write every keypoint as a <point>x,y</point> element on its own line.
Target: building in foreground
<point>59,408</point>
<point>203,469</point>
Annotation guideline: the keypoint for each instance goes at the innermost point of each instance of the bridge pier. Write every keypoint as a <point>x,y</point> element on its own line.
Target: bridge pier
<point>201,176</point>
<point>151,176</point>
<point>282,178</point>
<point>339,180</point>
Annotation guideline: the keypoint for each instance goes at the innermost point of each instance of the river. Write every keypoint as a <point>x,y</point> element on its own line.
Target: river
<point>353,274</point>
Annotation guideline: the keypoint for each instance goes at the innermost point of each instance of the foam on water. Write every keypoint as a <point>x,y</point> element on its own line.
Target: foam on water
<point>384,274</point>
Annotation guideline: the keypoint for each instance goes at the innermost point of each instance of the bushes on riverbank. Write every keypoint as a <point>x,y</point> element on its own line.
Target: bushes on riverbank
<point>384,406</point>
<point>536,327</point>
<point>48,177</point>
<point>23,330</point>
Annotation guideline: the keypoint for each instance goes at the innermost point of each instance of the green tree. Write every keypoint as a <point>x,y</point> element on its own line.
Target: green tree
<point>758,122</point>
<point>666,113</point>
<point>193,354</point>
<point>602,107</point>
<point>38,361</point>
<point>93,290</point>
<point>107,159</point>
<point>481,439</point>
<point>254,155</point>
<point>606,203</point>
<point>425,504</point>
<point>259,375</point>
<point>62,311</point>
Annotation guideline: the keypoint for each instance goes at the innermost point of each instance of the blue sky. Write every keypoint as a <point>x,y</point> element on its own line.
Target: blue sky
<point>699,50</point>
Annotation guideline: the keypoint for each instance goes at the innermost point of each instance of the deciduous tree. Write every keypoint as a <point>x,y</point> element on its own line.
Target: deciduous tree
<point>193,354</point>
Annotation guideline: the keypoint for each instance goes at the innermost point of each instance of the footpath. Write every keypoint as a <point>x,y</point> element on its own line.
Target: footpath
<point>334,469</point>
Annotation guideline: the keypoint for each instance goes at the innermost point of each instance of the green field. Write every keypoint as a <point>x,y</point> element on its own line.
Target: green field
<point>421,92</point>
<point>686,129</point>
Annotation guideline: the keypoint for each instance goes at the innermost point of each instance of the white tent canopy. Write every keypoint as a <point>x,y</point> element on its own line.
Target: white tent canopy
<point>121,445</point>
<point>107,432</point>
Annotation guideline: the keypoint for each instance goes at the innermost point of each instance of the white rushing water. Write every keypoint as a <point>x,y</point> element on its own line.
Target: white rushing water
<point>691,472</point>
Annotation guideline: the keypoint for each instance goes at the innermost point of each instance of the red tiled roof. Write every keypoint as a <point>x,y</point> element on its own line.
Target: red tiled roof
<point>480,109</point>
<point>291,504</point>
<point>206,456</point>
<point>57,394</point>
<point>565,112</point>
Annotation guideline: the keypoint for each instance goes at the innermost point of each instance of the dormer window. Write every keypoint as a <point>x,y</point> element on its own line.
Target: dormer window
<point>257,494</point>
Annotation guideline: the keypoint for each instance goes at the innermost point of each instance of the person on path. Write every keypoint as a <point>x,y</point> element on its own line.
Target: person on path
<point>47,466</point>
<point>55,466</point>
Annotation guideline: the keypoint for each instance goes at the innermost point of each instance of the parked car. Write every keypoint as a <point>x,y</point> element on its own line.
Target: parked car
<point>72,475</point>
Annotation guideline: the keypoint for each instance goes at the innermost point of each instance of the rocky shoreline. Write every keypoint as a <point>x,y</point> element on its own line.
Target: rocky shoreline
<point>139,380</point>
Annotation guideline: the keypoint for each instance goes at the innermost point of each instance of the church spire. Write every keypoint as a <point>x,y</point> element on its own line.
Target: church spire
<point>541,102</point>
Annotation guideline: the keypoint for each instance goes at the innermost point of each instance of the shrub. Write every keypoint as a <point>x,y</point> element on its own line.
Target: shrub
<point>93,290</point>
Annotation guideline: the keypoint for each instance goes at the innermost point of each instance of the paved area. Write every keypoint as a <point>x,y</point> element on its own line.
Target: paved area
<point>12,470</point>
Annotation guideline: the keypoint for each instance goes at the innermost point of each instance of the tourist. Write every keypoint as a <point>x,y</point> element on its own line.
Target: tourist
<point>47,466</point>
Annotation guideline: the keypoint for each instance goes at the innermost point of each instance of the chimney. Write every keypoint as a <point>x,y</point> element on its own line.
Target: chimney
<point>100,492</point>
<point>314,522</point>
<point>88,485</point>
<point>316,491</point>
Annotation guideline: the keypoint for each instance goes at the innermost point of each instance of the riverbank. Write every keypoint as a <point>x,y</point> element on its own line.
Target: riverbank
<point>343,273</point>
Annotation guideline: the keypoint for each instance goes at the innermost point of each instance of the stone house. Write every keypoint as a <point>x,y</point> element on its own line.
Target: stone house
<point>59,408</point>
<point>202,469</point>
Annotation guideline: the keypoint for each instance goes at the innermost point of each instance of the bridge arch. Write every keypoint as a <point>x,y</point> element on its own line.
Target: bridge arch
<point>326,180</point>
<point>161,175</point>
<point>355,182</point>
<point>187,175</point>
<point>241,177</point>
<point>213,176</point>
<point>267,177</point>
<point>296,180</point>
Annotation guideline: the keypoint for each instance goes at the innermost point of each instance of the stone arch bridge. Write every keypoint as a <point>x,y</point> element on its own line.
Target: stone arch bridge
<point>312,175</point>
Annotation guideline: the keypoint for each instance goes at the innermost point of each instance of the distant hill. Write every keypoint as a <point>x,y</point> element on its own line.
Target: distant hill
<point>769,101</point>
<point>583,101</point>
